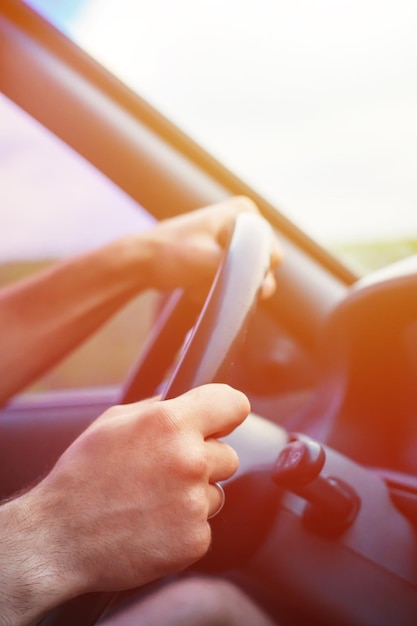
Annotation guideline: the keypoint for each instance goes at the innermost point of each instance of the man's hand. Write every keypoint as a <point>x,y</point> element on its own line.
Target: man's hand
<point>186,250</point>
<point>128,501</point>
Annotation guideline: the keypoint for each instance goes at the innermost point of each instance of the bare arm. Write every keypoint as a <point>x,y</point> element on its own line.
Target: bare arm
<point>45,317</point>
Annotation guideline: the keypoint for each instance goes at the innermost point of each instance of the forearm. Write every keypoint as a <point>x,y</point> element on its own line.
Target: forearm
<point>29,583</point>
<point>45,317</point>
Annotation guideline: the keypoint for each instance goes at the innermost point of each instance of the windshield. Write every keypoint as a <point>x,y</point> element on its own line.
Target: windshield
<point>312,103</point>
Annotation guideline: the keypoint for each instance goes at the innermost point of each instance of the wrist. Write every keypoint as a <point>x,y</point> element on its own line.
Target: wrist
<point>31,581</point>
<point>133,259</point>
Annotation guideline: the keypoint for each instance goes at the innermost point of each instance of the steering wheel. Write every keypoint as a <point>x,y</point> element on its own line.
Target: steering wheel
<point>206,357</point>
<point>220,323</point>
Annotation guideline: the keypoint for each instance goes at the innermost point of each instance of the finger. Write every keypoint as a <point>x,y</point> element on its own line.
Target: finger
<point>222,460</point>
<point>215,409</point>
<point>228,211</point>
<point>268,286</point>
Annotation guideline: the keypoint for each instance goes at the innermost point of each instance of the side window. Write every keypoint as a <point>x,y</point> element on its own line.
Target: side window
<point>55,204</point>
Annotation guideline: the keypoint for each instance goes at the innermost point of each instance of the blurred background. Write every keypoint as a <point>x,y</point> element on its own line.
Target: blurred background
<point>312,102</point>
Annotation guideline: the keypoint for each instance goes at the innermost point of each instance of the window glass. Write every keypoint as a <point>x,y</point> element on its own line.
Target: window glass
<point>312,102</point>
<point>55,204</point>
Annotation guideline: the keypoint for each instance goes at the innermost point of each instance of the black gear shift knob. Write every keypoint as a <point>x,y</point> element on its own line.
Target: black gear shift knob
<point>332,503</point>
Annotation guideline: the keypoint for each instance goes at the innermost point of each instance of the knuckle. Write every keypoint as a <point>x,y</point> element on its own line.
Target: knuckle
<point>194,505</point>
<point>246,204</point>
<point>198,541</point>
<point>168,419</point>
<point>196,537</point>
<point>193,461</point>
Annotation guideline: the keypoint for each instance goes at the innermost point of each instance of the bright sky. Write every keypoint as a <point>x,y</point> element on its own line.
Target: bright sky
<point>311,101</point>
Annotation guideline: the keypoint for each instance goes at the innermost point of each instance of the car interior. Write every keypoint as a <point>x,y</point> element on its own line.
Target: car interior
<point>319,522</point>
